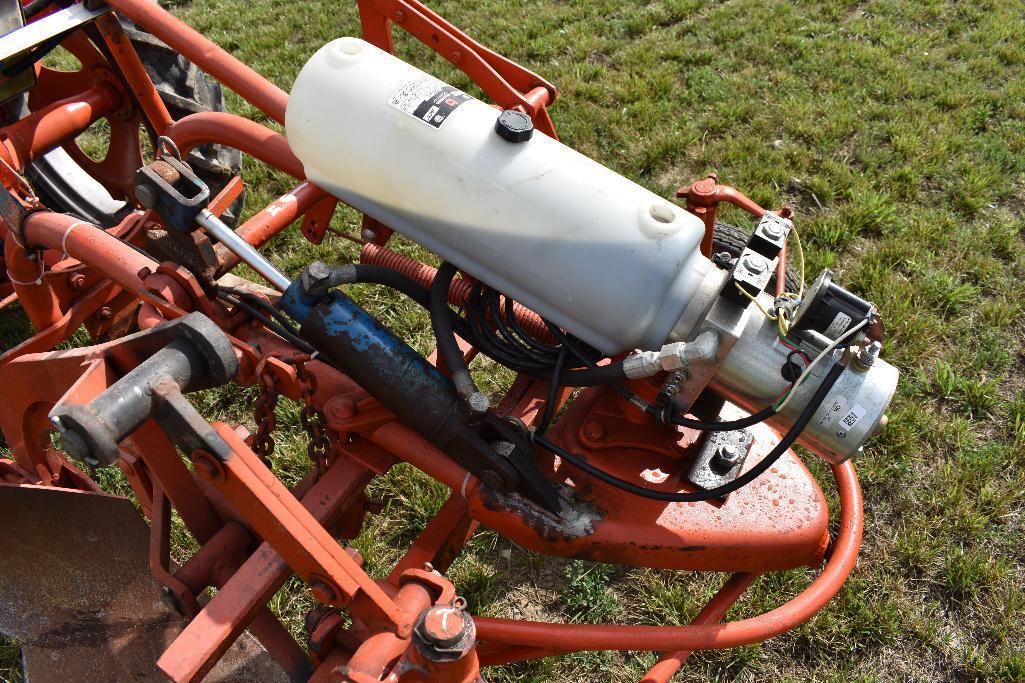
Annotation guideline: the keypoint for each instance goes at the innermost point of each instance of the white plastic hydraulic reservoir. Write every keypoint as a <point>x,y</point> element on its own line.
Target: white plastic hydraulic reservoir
<point>589,250</point>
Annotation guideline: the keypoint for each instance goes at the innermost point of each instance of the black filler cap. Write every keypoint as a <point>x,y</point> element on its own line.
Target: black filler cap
<point>514,126</point>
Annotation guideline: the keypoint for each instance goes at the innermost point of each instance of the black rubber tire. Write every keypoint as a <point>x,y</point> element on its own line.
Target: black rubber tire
<point>64,186</point>
<point>732,240</point>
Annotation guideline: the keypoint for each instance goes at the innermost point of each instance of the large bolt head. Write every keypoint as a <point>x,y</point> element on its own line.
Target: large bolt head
<point>756,264</point>
<point>772,230</point>
<point>726,457</point>
<point>316,277</point>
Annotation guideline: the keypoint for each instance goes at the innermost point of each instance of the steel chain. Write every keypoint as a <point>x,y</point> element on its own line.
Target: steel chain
<point>266,418</point>
<point>312,418</point>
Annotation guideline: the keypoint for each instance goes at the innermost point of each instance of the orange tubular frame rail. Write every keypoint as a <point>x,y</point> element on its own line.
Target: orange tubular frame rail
<point>252,531</point>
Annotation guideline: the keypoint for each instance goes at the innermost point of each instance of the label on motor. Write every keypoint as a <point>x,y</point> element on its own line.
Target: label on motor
<point>850,419</point>
<point>839,325</point>
<point>428,99</point>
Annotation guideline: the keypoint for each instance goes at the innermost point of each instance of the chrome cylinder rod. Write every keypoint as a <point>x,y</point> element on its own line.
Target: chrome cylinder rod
<point>245,251</point>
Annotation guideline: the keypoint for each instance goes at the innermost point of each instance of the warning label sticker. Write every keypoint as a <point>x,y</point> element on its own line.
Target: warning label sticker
<point>428,99</point>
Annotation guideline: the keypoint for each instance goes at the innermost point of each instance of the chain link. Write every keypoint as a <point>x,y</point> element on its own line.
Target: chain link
<point>312,417</point>
<point>266,418</point>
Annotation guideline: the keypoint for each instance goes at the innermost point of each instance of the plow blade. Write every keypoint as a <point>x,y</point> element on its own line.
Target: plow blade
<point>76,591</point>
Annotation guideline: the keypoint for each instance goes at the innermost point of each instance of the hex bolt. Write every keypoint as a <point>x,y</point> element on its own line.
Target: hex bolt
<point>316,278</point>
<point>866,358</point>
<point>77,281</point>
<point>105,313</point>
<point>756,264</point>
<point>340,408</point>
<point>726,457</point>
<point>771,228</point>
<point>368,235</point>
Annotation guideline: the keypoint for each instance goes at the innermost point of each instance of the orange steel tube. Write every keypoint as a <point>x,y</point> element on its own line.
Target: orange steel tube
<point>36,297</point>
<point>241,133</point>
<point>55,124</point>
<point>259,229</point>
<point>706,637</point>
<point>380,649</point>
<point>409,446</point>
<point>95,247</point>
<point>205,54</point>
<point>270,221</point>
<point>136,78</point>
<point>711,613</point>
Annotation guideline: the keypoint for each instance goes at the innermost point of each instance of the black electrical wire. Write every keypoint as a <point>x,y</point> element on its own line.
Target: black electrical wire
<point>278,329</point>
<point>499,335</point>
<point>698,496</point>
<point>270,308</point>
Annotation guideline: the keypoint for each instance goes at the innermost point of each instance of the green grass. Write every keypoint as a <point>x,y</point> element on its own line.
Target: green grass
<point>897,131</point>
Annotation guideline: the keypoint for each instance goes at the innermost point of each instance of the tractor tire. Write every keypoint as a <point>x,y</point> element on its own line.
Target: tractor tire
<point>64,186</point>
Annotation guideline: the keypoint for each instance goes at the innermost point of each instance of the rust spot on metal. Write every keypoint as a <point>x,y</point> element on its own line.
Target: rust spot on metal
<point>574,522</point>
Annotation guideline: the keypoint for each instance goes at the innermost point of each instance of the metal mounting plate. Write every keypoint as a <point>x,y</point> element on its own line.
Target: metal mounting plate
<point>705,471</point>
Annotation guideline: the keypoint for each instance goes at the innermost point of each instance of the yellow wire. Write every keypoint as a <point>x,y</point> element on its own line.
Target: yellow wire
<point>758,303</point>
<point>784,324</point>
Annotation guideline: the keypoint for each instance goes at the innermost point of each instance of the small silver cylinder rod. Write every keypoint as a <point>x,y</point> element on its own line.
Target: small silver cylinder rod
<point>245,251</point>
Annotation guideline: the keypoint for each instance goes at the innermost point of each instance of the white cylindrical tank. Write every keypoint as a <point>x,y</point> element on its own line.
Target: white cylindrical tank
<point>583,246</point>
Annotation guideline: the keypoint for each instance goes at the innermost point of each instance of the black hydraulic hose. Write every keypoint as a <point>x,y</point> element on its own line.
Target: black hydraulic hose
<point>698,496</point>
<point>597,375</point>
<point>553,392</point>
<point>441,322</point>
<point>733,425</point>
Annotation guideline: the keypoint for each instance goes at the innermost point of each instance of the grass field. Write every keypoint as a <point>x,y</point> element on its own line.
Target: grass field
<point>897,131</point>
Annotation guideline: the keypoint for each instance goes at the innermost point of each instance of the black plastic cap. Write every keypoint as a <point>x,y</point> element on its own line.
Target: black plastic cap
<point>514,126</point>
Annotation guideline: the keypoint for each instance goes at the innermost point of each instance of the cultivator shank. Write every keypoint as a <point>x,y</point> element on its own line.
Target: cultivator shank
<point>647,466</point>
